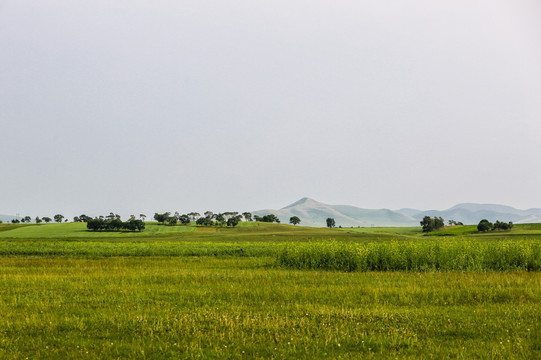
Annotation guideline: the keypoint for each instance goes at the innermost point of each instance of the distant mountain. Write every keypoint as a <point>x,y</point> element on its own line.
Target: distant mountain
<point>473,213</point>
<point>314,213</point>
<point>409,212</point>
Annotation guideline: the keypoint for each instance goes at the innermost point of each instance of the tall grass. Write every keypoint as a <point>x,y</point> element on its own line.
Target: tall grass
<point>155,248</point>
<point>238,308</point>
<point>418,255</point>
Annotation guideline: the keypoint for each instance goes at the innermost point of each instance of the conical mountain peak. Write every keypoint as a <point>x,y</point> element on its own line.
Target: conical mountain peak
<point>303,201</point>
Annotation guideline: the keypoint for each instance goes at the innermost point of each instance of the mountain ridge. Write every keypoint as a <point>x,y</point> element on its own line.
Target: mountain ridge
<point>315,213</point>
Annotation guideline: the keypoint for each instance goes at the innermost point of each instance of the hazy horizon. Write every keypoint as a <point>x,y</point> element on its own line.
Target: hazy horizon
<point>192,106</point>
<point>149,214</point>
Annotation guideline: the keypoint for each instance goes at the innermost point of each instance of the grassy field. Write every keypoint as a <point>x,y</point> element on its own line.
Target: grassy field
<point>190,292</point>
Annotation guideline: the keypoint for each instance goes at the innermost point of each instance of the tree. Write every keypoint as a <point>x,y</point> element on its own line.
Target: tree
<point>484,225</point>
<point>427,223</point>
<point>161,218</point>
<point>139,225</point>
<point>172,220</point>
<point>205,221</point>
<point>294,220</point>
<point>142,216</point>
<point>220,219</point>
<point>438,222</point>
<point>27,219</point>
<point>184,219</point>
<point>500,225</point>
<point>76,219</point>
<point>232,221</point>
<point>100,224</point>
<point>46,219</point>
<point>330,223</point>
<point>58,218</point>
<point>194,215</point>
<point>38,220</point>
<point>430,224</point>
<point>247,216</point>
<point>267,218</point>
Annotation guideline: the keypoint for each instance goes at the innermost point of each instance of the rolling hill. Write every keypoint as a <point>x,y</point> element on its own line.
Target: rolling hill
<point>469,213</point>
<point>314,213</point>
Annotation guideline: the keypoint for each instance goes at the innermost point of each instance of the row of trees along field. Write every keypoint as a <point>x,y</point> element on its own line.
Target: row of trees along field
<point>113,222</point>
<point>230,218</point>
<point>485,225</point>
<point>27,219</point>
<point>432,224</point>
<point>209,218</point>
<point>98,224</point>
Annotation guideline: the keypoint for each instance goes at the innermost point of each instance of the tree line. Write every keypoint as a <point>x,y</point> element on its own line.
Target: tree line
<point>485,225</point>
<point>435,223</point>
<point>98,224</point>
<point>27,219</point>
<point>113,222</point>
<point>209,218</point>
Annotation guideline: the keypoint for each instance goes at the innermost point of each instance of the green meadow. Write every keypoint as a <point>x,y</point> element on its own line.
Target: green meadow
<point>268,291</point>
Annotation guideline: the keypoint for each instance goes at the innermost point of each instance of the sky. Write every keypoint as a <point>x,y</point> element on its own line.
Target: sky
<point>140,107</point>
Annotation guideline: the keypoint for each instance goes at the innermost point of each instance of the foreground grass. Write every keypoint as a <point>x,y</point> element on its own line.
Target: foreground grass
<point>390,255</point>
<point>192,292</point>
<point>235,308</point>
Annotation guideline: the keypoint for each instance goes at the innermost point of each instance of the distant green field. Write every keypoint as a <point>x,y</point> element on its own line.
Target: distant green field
<point>413,230</point>
<point>245,231</point>
<point>78,230</point>
<point>263,291</point>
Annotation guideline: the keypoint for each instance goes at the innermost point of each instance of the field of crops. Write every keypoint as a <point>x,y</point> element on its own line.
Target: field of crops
<point>268,291</point>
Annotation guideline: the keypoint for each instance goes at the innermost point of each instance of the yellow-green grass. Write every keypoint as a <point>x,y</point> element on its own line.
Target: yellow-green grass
<point>79,230</point>
<point>245,231</point>
<point>409,230</point>
<point>519,230</point>
<point>237,308</point>
<point>461,230</point>
<point>446,254</point>
<point>195,292</point>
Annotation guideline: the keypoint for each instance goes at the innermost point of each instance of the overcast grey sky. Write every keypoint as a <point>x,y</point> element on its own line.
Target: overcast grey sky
<point>150,106</point>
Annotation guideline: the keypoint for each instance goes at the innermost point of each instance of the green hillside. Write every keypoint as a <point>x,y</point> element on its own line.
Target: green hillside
<point>79,230</point>
<point>245,231</point>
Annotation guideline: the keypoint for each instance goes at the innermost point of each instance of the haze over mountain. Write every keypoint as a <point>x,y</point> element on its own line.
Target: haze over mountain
<point>469,213</point>
<point>314,213</point>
